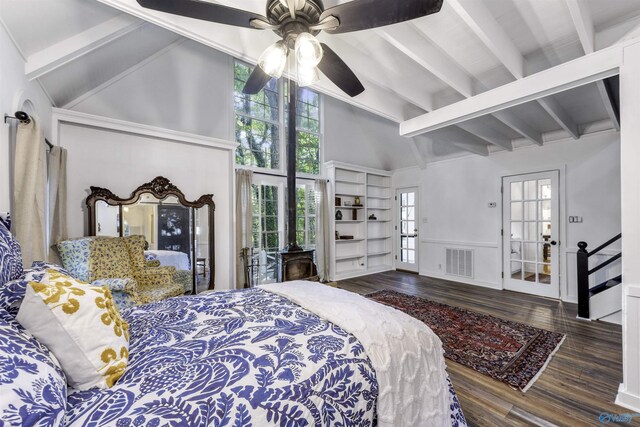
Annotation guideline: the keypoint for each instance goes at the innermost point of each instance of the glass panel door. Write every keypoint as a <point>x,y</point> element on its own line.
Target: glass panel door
<point>530,235</point>
<point>408,243</point>
<point>268,221</point>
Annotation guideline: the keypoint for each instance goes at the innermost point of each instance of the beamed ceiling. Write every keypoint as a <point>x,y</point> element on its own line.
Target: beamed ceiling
<point>73,47</point>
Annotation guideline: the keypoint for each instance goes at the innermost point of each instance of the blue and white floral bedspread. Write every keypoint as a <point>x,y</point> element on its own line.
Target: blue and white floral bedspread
<point>241,358</point>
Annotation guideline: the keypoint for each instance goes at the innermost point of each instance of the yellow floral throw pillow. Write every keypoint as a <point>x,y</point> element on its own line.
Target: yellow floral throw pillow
<point>82,327</point>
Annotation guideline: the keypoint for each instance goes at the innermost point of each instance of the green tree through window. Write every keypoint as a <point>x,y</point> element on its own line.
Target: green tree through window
<point>260,125</point>
<point>307,128</point>
<point>257,123</point>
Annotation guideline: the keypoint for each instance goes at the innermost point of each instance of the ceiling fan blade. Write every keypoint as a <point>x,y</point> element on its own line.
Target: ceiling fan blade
<point>204,10</point>
<point>339,73</point>
<point>359,15</point>
<point>256,81</point>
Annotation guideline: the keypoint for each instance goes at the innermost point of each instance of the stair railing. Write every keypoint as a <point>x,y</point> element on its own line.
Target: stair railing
<point>584,290</point>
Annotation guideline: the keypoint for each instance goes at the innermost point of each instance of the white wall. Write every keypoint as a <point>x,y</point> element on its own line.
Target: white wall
<point>455,196</point>
<point>358,137</point>
<point>190,87</point>
<point>14,90</point>
<point>121,161</point>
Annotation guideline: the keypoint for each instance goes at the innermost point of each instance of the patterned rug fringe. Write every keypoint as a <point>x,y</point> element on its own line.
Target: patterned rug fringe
<point>534,379</point>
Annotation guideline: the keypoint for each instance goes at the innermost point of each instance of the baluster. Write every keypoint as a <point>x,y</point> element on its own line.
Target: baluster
<point>583,280</point>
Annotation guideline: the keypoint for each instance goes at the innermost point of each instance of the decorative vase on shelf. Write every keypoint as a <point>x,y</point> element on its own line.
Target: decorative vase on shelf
<point>356,201</point>
<point>338,216</point>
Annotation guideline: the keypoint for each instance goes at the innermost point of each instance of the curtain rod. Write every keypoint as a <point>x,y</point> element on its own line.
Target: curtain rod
<point>280,175</point>
<point>23,117</point>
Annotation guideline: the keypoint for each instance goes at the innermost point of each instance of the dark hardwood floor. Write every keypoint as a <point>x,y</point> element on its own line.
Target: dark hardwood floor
<point>579,384</point>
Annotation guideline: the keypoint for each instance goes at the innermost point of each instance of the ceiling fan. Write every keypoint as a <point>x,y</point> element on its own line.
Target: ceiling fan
<point>297,22</point>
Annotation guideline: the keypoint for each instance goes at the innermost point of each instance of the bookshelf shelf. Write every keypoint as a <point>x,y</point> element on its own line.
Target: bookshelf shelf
<point>372,250</point>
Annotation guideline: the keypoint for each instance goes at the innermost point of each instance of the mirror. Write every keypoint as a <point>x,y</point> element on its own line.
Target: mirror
<point>178,232</point>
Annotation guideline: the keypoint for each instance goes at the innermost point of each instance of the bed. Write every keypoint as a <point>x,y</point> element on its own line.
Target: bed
<point>291,354</point>
<point>254,358</point>
<point>240,358</point>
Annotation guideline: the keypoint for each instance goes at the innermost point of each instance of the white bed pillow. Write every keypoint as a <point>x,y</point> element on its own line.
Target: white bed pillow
<point>82,327</point>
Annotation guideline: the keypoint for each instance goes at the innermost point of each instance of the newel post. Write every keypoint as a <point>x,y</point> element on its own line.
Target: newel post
<point>583,280</point>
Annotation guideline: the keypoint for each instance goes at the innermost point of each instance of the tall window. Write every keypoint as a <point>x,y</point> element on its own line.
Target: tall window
<point>266,226</point>
<point>306,216</point>
<point>261,129</point>
<point>308,129</point>
<point>257,122</point>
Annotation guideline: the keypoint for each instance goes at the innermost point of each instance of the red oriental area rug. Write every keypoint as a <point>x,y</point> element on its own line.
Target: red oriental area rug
<point>511,352</point>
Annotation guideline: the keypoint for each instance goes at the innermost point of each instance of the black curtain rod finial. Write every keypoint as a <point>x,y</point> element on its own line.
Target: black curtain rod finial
<point>21,116</point>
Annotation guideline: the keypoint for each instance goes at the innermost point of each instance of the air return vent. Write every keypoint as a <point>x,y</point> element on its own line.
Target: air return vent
<point>460,262</point>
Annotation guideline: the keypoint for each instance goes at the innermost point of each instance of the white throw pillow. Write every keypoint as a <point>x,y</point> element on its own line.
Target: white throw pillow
<point>82,327</point>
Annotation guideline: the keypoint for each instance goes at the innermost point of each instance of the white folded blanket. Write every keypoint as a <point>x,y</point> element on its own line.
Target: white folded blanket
<point>406,355</point>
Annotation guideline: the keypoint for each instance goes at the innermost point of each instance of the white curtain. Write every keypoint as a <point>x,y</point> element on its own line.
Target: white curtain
<point>323,231</point>
<point>29,196</point>
<point>57,200</point>
<point>244,221</point>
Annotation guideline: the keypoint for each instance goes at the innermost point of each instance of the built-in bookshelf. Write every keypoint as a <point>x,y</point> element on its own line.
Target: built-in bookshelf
<point>363,235</point>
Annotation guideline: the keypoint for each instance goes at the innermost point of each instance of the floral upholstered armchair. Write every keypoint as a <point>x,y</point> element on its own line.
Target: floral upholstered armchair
<point>119,263</point>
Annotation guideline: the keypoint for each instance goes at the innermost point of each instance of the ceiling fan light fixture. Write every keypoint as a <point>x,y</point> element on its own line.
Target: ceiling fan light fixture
<point>274,59</point>
<point>307,76</point>
<point>308,50</point>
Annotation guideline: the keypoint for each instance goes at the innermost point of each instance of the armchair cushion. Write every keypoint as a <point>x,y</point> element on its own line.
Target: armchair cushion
<point>110,259</point>
<point>74,255</point>
<point>124,291</point>
<point>152,294</point>
<point>119,259</point>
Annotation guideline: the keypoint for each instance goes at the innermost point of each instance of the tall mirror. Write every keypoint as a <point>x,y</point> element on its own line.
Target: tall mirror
<point>178,232</point>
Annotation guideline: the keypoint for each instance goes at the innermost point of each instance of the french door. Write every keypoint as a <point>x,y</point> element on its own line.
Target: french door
<point>408,245</point>
<point>530,233</point>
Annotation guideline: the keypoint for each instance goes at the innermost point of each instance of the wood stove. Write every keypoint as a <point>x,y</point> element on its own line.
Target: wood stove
<point>294,263</point>
<point>297,265</point>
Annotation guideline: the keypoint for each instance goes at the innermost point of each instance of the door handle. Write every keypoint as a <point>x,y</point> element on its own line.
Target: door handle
<point>553,242</point>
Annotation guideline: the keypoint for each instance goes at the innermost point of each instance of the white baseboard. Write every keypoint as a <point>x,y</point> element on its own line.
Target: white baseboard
<point>437,275</point>
<point>626,400</point>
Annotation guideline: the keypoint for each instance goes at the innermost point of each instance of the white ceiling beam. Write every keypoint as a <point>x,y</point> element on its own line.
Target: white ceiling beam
<point>519,126</point>
<point>583,22</point>
<point>609,103</point>
<point>559,114</point>
<point>369,69</point>
<point>408,40</point>
<point>479,19</point>
<point>417,45</point>
<point>373,70</point>
<point>584,70</point>
<point>480,150</point>
<point>474,133</point>
<point>59,54</point>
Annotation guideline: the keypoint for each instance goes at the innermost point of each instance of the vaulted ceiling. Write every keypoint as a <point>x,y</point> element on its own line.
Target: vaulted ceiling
<point>73,47</point>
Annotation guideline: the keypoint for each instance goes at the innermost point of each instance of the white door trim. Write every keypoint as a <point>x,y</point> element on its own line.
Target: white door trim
<point>397,232</point>
<point>559,234</point>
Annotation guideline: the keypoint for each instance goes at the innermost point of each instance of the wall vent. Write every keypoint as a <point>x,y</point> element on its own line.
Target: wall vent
<point>460,262</point>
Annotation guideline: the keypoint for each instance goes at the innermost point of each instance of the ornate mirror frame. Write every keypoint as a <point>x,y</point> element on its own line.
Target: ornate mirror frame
<point>161,188</point>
